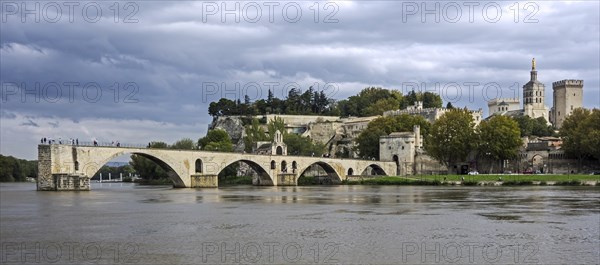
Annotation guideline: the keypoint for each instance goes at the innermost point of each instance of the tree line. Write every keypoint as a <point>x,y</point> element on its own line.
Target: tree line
<point>310,102</point>
<point>370,101</point>
<point>13,169</point>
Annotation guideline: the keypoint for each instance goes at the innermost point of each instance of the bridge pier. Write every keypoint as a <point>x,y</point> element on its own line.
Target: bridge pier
<point>204,181</point>
<point>70,182</point>
<point>287,179</point>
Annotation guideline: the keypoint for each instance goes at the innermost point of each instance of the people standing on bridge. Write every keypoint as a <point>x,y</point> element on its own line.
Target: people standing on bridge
<point>95,143</point>
<point>118,144</point>
<point>77,141</point>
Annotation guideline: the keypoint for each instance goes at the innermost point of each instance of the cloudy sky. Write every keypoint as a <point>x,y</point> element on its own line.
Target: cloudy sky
<point>142,71</point>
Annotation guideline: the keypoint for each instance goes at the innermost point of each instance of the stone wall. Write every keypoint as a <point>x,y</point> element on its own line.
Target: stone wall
<point>322,132</point>
<point>45,181</point>
<point>301,119</point>
<point>426,165</point>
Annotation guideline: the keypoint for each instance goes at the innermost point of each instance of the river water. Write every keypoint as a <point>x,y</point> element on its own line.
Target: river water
<point>122,223</point>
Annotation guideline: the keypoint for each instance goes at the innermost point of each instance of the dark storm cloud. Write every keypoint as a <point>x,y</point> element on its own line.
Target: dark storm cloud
<point>156,69</point>
<point>30,123</point>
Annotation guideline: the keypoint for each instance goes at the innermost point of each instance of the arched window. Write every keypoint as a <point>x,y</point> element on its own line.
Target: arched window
<point>283,166</point>
<point>279,150</point>
<point>76,165</point>
<point>273,164</point>
<point>350,172</point>
<point>198,165</point>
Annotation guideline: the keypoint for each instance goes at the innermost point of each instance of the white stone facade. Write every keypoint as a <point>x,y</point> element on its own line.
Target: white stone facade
<point>567,96</point>
<point>401,148</point>
<point>500,105</point>
<point>430,114</point>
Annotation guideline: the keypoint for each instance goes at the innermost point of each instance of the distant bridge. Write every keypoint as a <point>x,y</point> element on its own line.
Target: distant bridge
<point>70,167</point>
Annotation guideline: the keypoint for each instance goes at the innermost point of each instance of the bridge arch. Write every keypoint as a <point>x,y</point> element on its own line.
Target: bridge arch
<point>332,173</point>
<point>175,173</point>
<point>263,175</point>
<point>375,170</point>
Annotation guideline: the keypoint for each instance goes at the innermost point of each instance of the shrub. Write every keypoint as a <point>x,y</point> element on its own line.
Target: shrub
<point>517,183</point>
<point>470,183</point>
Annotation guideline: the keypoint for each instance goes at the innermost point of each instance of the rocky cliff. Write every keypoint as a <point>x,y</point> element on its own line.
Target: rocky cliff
<point>234,126</point>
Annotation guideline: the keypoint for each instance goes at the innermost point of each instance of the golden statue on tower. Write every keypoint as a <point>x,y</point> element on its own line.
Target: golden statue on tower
<point>533,64</point>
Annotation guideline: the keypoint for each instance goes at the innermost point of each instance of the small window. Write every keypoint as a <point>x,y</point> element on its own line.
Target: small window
<point>403,147</point>
<point>571,107</point>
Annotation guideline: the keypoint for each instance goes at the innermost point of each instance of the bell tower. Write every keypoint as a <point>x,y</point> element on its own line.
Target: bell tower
<point>533,96</point>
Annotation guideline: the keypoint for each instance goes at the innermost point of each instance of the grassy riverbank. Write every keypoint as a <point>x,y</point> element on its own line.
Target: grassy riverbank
<point>505,178</point>
<point>473,180</point>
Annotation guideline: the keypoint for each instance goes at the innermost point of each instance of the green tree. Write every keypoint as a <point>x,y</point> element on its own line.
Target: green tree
<point>298,145</point>
<point>149,169</point>
<point>393,102</point>
<point>368,140</point>
<point>593,139</point>
<point>533,127</point>
<point>429,99</point>
<point>184,144</point>
<point>451,137</point>
<point>216,140</point>
<point>14,169</point>
<point>276,124</point>
<point>358,105</point>
<point>158,145</point>
<point>579,132</point>
<point>499,138</point>
<point>254,134</point>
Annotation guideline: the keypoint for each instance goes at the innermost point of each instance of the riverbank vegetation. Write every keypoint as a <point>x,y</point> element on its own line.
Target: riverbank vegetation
<point>474,180</point>
<point>16,170</point>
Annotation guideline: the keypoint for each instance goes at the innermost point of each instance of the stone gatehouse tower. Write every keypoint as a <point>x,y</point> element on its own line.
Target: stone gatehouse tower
<point>533,96</point>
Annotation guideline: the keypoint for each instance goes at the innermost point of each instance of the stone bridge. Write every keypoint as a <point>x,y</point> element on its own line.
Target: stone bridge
<point>70,167</point>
